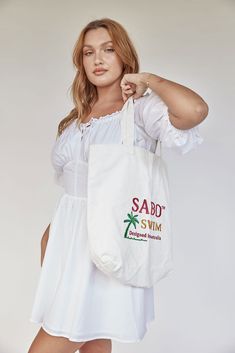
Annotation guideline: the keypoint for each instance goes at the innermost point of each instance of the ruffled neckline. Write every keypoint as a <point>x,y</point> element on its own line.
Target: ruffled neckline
<point>102,117</point>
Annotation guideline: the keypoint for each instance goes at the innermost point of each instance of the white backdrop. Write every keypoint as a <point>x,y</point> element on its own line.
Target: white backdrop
<point>189,42</point>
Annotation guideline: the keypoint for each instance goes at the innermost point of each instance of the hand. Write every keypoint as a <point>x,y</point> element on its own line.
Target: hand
<point>134,84</point>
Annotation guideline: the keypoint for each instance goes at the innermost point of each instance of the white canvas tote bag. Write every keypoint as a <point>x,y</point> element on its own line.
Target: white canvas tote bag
<point>128,216</point>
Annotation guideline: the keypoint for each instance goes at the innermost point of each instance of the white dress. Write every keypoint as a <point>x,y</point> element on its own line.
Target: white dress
<point>73,298</point>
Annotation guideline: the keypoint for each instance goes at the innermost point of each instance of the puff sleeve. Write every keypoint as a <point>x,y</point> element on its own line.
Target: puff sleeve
<point>152,114</point>
<point>57,163</point>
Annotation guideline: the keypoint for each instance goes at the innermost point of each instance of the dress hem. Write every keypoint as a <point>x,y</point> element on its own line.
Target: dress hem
<point>96,336</point>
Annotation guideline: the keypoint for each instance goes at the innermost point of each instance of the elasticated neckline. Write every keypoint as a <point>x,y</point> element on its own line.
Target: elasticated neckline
<point>101,118</point>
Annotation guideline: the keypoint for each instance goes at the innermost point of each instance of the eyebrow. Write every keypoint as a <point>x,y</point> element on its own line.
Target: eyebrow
<point>88,45</point>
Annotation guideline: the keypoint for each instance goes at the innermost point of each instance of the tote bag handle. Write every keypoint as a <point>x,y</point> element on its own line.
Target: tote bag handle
<point>127,127</point>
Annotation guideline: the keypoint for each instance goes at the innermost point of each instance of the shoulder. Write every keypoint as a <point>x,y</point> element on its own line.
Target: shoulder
<point>65,136</point>
<point>149,98</point>
<point>149,94</point>
<point>148,104</point>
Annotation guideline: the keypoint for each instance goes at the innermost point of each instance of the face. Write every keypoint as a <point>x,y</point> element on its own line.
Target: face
<point>98,52</point>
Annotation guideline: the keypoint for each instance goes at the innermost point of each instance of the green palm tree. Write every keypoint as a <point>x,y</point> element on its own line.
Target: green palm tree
<point>131,220</point>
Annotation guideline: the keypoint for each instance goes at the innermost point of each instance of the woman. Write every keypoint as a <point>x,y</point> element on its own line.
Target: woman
<point>78,306</point>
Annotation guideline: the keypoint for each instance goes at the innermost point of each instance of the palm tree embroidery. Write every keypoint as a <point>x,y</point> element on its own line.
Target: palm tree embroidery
<point>131,220</point>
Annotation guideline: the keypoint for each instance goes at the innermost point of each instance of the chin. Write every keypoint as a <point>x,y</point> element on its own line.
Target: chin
<point>103,83</point>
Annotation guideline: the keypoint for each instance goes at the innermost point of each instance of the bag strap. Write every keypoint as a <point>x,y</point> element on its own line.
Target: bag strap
<point>127,127</point>
<point>127,124</point>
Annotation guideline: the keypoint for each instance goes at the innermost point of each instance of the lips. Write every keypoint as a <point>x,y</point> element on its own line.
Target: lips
<point>99,71</point>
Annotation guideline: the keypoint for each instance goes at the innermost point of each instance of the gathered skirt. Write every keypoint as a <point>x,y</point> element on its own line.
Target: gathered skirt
<point>73,298</point>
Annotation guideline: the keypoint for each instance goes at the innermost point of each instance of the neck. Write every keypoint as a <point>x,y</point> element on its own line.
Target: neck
<point>110,93</point>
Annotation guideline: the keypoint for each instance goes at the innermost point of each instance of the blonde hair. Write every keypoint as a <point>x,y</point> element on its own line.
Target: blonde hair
<point>84,93</point>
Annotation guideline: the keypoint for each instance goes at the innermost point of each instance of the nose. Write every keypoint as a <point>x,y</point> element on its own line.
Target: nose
<point>98,57</point>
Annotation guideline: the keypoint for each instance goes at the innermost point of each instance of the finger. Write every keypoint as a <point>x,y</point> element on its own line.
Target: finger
<point>127,91</point>
<point>123,81</point>
<point>124,96</point>
<point>125,87</point>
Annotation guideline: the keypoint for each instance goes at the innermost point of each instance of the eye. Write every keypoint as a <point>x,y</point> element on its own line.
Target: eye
<point>88,52</point>
<point>110,49</point>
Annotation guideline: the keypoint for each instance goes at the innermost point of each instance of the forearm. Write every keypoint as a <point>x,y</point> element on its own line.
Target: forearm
<point>181,101</point>
<point>44,241</point>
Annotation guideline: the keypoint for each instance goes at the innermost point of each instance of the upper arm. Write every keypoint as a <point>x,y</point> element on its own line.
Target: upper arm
<point>160,124</point>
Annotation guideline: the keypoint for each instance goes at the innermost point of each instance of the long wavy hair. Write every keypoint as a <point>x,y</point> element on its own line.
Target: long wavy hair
<point>84,93</point>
